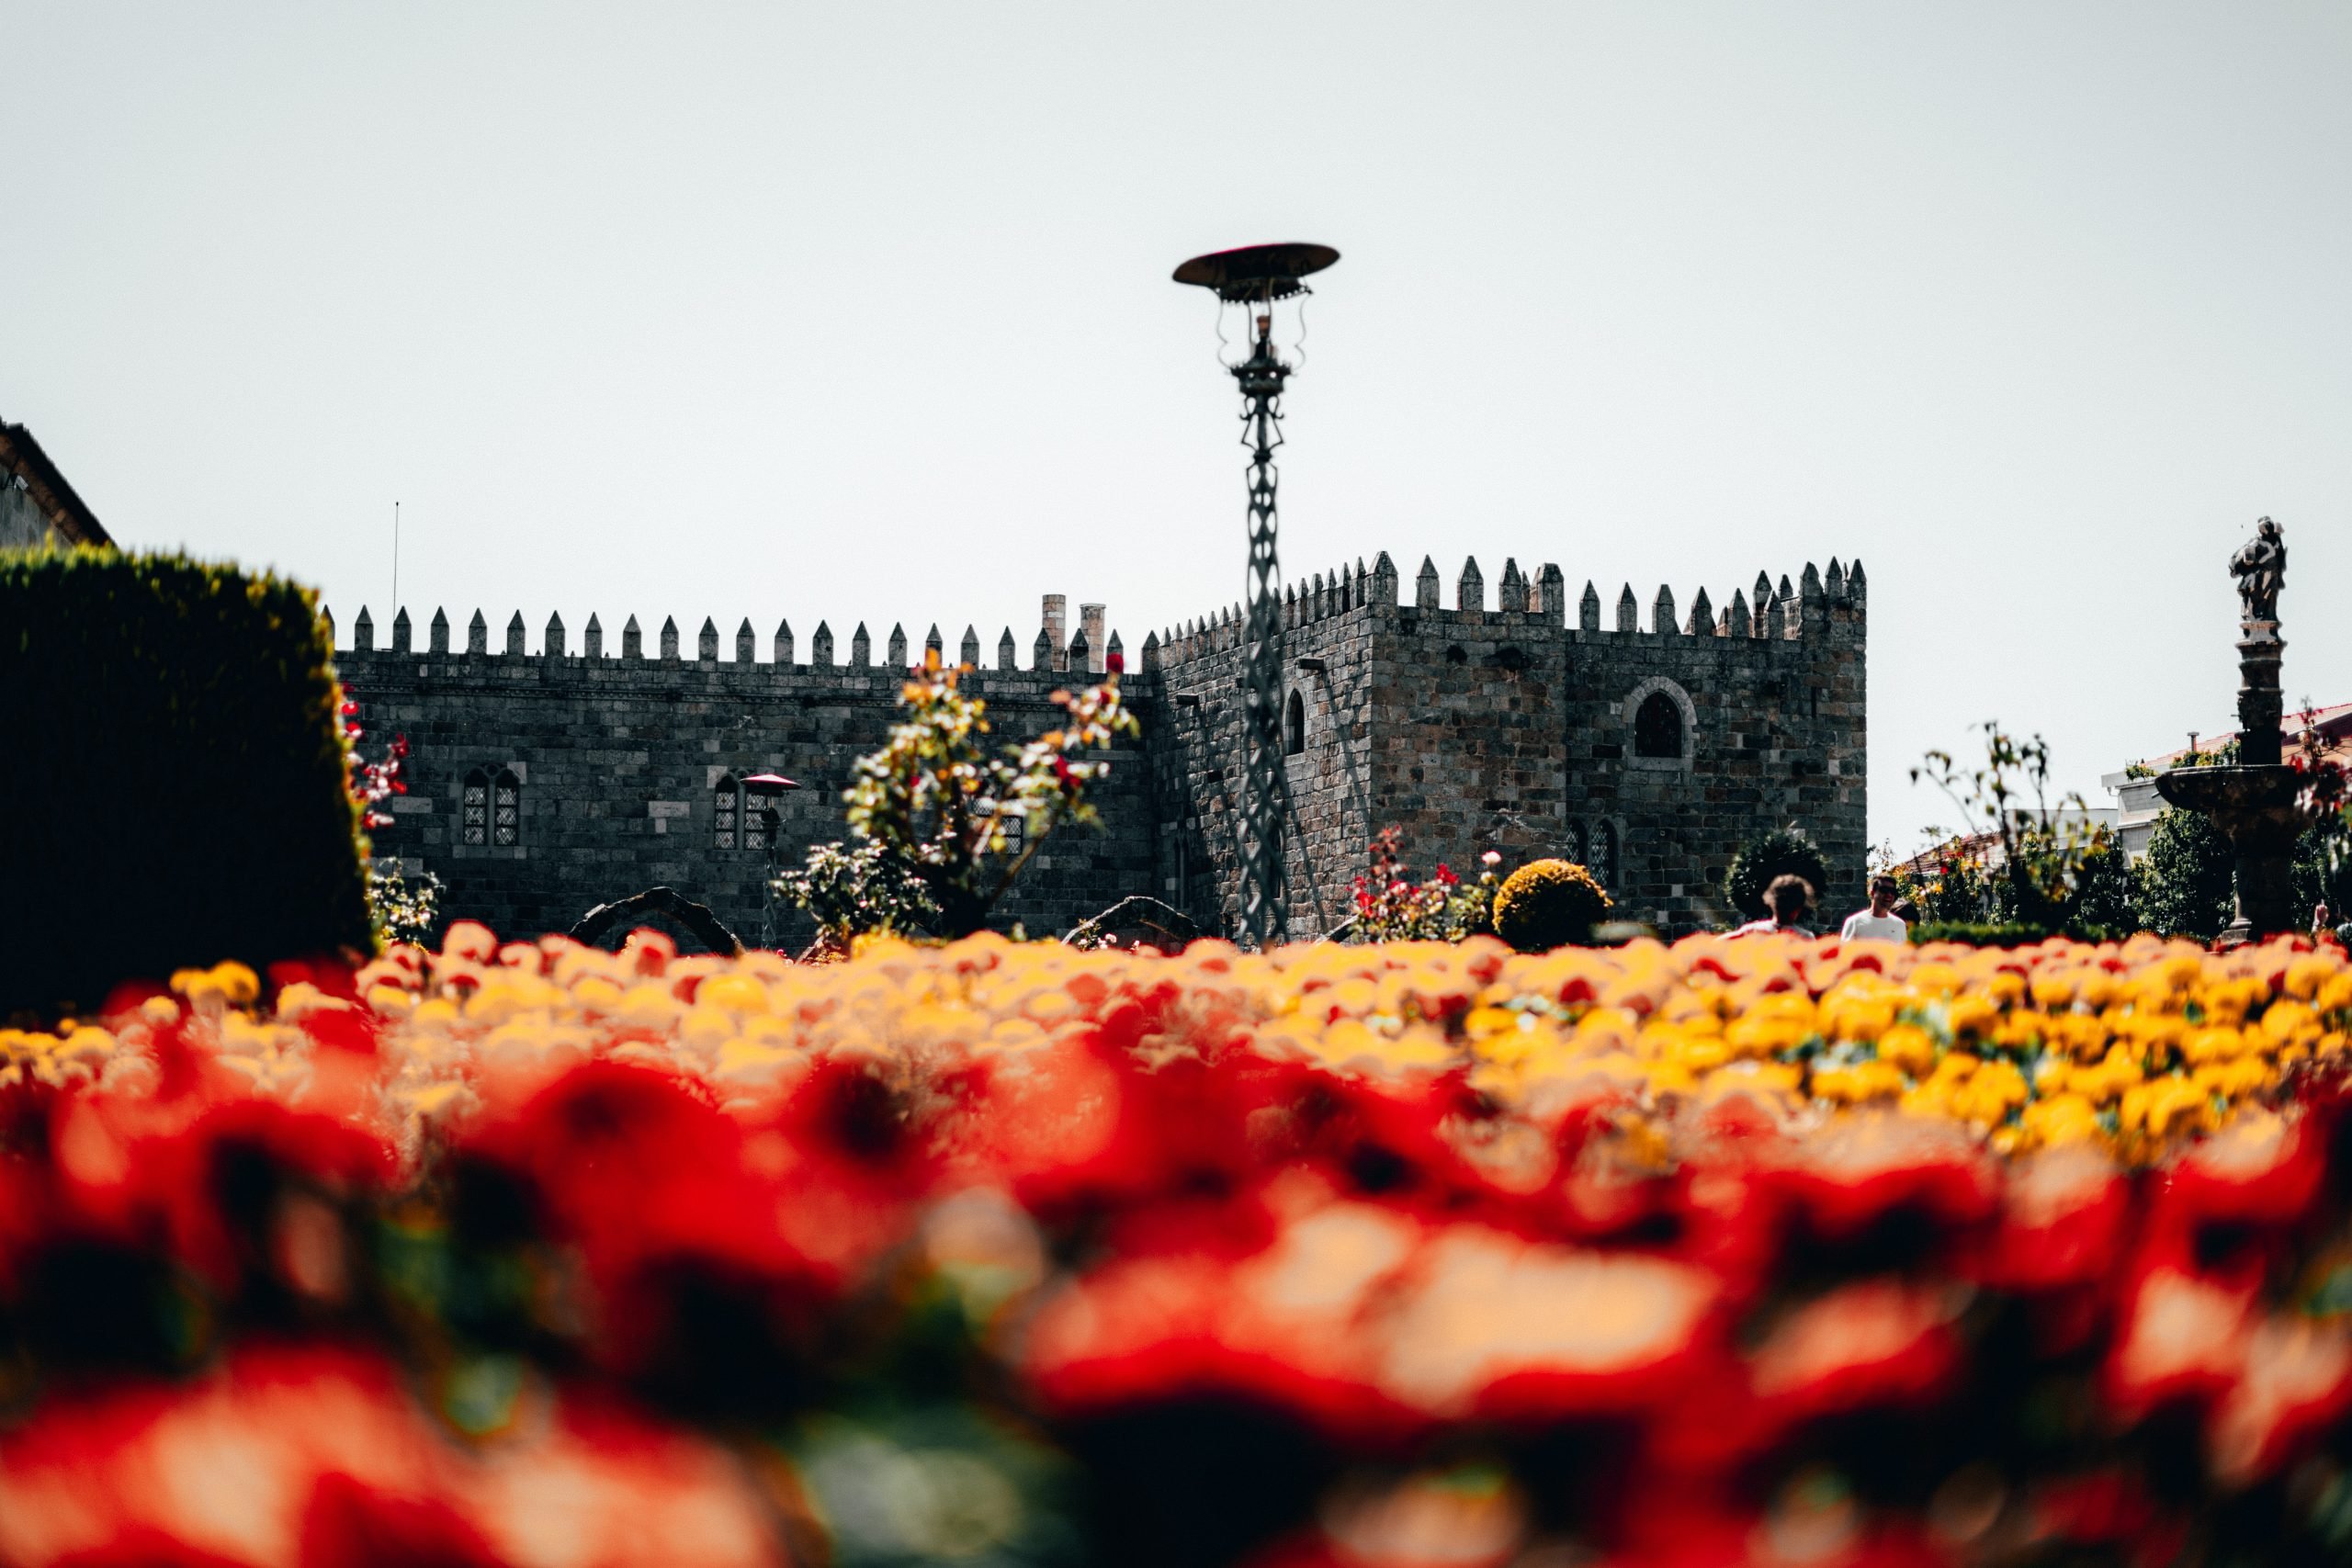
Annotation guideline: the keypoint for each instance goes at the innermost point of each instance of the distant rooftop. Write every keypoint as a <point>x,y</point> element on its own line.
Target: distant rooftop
<point>2333,724</point>
<point>28,468</point>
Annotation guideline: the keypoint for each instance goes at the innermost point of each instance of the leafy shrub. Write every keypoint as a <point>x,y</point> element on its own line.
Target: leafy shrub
<point>1391,907</point>
<point>1978,934</point>
<point>1995,933</point>
<point>1780,853</point>
<point>852,890</point>
<point>174,777</point>
<point>1547,904</point>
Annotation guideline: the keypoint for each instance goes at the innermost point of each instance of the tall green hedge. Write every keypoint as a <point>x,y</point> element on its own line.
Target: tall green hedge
<point>171,776</point>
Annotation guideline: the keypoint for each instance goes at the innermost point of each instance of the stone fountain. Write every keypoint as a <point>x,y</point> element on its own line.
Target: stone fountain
<point>2256,805</point>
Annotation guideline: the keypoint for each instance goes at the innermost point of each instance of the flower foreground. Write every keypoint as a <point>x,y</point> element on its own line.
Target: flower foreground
<point>1387,1254</point>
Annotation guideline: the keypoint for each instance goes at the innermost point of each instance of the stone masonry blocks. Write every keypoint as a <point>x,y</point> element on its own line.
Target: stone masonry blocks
<point>1473,729</point>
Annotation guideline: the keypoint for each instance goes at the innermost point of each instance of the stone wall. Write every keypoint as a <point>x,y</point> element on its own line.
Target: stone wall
<point>1508,726</point>
<point>619,759</point>
<point>1193,722</point>
<point>1503,726</point>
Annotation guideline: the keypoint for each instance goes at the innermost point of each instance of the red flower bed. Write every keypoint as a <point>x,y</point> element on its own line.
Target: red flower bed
<point>1759,1251</point>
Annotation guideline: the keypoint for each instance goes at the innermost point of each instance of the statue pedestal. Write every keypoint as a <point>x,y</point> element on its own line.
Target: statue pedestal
<point>2258,811</point>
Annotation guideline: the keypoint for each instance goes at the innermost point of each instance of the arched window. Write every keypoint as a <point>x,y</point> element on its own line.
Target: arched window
<point>1572,849</point>
<point>1295,727</point>
<point>1658,726</point>
<point>763,812</point>
<point>474,812</point>
<point>1600,853</point>
<point>724,796</point>
<point>507,809</point>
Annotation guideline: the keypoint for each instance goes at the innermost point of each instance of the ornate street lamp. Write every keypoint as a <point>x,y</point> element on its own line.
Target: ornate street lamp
<point>767,788</point>
<point>1256,276</point>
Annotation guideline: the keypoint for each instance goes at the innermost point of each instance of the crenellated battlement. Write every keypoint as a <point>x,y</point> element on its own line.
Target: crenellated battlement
<point>1770,611</point>
<point>1796,612</point>
<point>1089,649</point>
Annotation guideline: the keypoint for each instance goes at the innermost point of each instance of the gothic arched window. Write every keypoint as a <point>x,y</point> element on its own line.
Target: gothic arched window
<point>1658,726</point>
<point>1295,727</point>
<point>474,810</point>
<point>1600,853</point>
<point>723,801</point>
<point>507,809</point>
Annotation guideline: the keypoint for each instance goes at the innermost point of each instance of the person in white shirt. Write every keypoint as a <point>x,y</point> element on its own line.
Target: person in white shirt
<point>1879,922</point>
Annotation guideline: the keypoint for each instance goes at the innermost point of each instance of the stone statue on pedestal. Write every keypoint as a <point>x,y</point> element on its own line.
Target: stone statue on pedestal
<point>2257,805</point>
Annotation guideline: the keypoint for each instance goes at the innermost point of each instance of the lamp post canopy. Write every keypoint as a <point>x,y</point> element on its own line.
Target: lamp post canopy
<point>1257,272</point>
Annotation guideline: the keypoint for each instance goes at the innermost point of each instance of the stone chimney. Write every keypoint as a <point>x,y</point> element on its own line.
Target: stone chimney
<point>1055,628</point>
<point>1090,621</point>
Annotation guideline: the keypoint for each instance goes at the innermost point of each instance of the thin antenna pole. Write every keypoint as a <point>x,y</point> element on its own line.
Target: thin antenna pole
<point>396,557</point>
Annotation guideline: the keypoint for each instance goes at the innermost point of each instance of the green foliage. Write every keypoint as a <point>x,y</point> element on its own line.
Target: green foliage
<point>2323,869</point>
<point>1782,852</point>
<point>2185,883</point>
<point>1391,907</point>
<point>2225,755</point>
<point>401,908</point>
<point>2044,845</point>
<point>1547,904</point>
<point>1957,890</point>
<point>174,785</point>
<point>936,806</point>
<point>2106,895</point>
<point>1979,933</point>
<point>855,889</point>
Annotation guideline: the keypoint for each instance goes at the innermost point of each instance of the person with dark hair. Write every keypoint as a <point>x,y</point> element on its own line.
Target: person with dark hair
<point>1879,922</point>
<point>1790,897</point>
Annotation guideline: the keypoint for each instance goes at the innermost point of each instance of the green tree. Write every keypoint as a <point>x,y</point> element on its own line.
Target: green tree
<point>2185,886</point>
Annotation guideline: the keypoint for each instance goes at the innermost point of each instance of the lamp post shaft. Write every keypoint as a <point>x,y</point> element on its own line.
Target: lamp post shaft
<point>1266,904</point>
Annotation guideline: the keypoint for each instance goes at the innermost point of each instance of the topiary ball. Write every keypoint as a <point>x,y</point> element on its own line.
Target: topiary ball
<point>1546,904</point>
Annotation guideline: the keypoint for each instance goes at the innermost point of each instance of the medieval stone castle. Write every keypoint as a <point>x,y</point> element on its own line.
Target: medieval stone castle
<point>545,782</point>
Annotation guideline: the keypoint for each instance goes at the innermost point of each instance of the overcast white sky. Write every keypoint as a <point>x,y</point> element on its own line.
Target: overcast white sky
<point>863,313</point>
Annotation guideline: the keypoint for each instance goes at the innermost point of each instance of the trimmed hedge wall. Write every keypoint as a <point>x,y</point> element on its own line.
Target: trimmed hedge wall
<point>172,777</point>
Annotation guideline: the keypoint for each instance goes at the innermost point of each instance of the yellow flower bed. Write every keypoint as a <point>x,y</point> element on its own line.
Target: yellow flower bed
<point>2127,1045</point>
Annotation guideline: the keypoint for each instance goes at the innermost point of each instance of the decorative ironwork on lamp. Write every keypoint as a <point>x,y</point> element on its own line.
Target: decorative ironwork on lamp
<point>1256,276</point>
